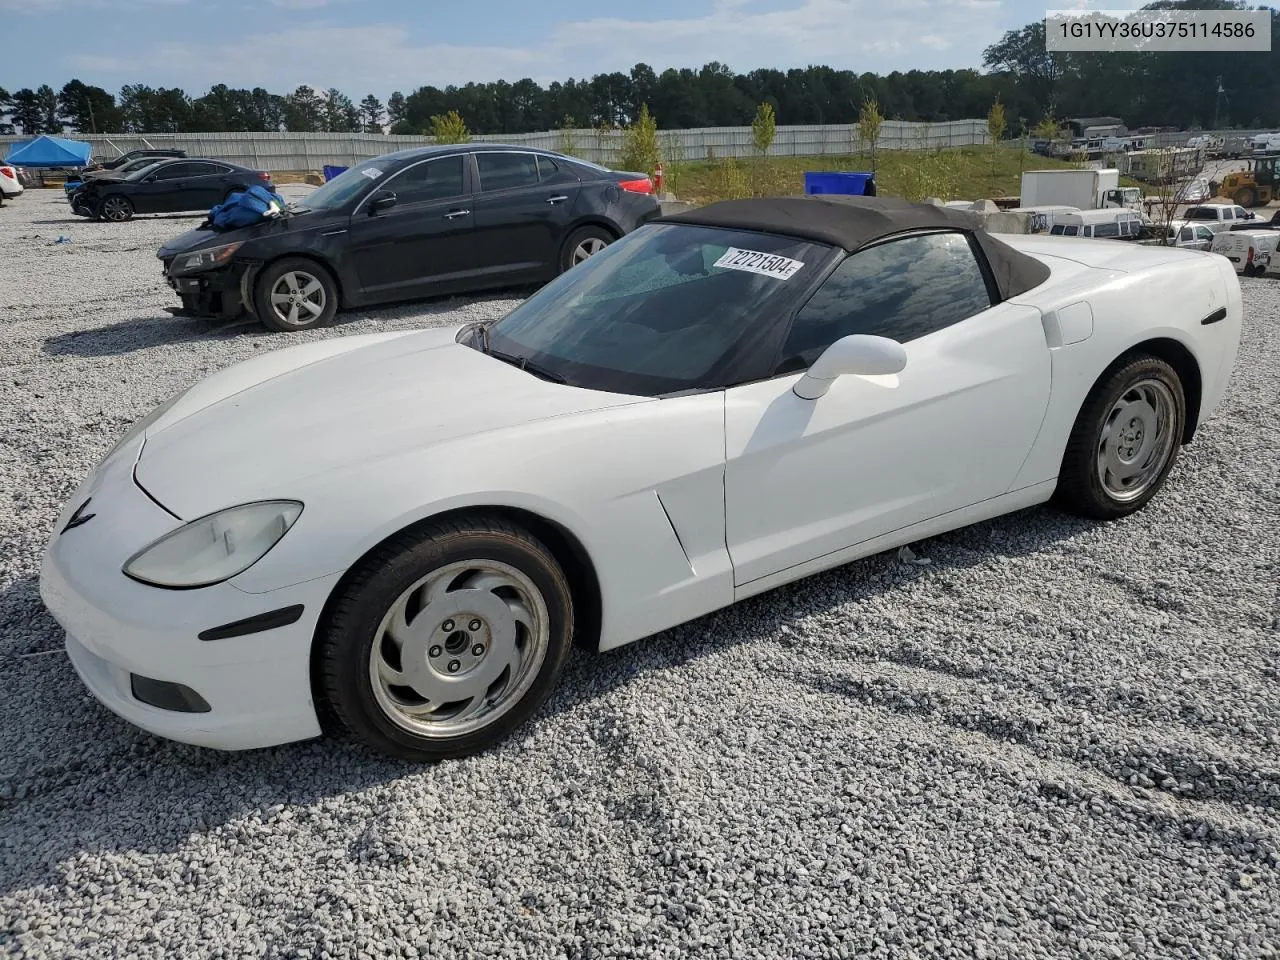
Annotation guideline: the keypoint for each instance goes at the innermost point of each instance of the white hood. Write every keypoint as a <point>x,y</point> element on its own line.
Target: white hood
<point>257,429</point>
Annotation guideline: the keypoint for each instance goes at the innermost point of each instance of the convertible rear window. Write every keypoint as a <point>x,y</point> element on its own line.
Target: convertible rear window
<point>669,307</point>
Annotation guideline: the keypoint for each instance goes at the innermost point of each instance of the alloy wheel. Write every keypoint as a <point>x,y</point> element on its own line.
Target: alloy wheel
<point>115,209</point>
<point>297,298</point>
<point>459,648</point>
<point>587,248</point>
<point>1136,440</point>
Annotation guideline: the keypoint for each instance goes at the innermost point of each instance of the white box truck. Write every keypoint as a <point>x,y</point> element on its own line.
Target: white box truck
<point>1083,189</point>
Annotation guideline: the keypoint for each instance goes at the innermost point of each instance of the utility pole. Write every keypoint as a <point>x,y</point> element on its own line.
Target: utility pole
<point>1217,102</point>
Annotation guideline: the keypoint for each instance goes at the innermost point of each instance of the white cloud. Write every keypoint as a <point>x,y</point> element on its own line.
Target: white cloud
<point>865,35</point>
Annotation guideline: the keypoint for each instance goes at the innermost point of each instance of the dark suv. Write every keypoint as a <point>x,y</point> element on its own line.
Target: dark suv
<point>135,154</point>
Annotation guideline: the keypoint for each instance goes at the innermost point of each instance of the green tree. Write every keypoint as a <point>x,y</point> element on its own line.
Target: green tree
<point>6,104</point>
<point>372,114</point>
<point>640,150</point>
<point>395,110</point>
<point>304,111</point>
<point>25,111</point>
<point>869,123</point>
<point>89,109</point>
<point>566,144</point>
<point>996,121</point>
<point>450,128</point>
<point>340,114</point>
<point>763,128</point>
<point>50,122</point>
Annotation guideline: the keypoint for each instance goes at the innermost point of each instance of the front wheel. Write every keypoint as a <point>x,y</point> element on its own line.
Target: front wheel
<point>115,208</point>
<point>1245,198</point>
<point>1125,440</point>
<point>446,640</point>
<point>295,294</point>
<point>583,243</point>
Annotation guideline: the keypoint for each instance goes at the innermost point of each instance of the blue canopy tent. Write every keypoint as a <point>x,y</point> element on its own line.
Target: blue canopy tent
<point>45,151</point>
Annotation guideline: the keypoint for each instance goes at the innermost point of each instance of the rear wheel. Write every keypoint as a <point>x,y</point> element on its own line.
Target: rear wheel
<point>1246,197</point>
<point>584,243</point>
<point>447,640</point>
<point>115,208</point>
<point>1125,440</point>
<point>295,294</point>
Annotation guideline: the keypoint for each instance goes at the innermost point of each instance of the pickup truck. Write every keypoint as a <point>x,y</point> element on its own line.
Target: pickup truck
<point>1218,216</point>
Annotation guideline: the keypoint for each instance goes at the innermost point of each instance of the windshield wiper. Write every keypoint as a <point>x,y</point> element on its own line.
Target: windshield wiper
<point>523,364</point>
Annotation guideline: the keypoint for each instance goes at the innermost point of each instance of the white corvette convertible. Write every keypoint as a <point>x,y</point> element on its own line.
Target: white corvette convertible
<point>401,535</point>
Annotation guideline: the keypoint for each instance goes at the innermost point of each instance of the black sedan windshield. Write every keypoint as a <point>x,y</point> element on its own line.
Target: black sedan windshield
<point>346,186</point>
<point>668,308</point>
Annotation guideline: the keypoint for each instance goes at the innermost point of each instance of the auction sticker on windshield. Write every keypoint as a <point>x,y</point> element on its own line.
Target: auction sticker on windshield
<point>373,173</point>
<point>752,261</point>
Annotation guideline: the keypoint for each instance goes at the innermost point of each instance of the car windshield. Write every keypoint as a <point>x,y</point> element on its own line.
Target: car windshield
<point>345,187</point>
<point>670,307</point>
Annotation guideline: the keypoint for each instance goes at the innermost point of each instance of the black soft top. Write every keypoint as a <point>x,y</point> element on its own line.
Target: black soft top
<point>852,223</point>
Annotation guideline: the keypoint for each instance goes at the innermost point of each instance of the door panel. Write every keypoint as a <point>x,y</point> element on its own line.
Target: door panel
<point>426,239</point>
<point>522,213</point>
<point>807,478</point>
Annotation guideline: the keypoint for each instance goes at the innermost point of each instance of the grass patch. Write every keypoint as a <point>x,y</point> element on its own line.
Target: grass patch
<point>957,173</point>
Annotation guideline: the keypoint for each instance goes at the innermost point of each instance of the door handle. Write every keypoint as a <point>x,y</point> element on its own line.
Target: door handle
<point>456,213</point>
<point>556,199</point>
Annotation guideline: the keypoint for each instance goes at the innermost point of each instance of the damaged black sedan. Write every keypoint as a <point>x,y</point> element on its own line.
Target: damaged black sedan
<point>418,223</point>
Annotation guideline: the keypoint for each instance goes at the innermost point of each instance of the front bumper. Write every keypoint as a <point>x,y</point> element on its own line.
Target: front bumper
<point>217,294</point>
<point>119,632</point>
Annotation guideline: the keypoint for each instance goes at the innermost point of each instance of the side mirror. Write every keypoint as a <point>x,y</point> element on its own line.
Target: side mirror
<point>381,201</point>
<point>854,355</point>
<point>151,179</point>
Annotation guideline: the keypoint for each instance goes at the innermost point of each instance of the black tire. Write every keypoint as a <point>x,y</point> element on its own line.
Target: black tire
<point>584,237</point>
<point>274,279</point>
<point>1081,489</point>
<point>358,704</point>
<point>115,208</point>
<point>1246,197</point>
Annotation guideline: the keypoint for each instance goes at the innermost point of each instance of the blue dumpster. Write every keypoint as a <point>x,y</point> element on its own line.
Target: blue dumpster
<point>331,172</point>
<point>836,182</point>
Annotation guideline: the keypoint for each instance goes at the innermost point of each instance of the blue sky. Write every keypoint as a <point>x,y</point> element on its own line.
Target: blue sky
<point>363,46</point>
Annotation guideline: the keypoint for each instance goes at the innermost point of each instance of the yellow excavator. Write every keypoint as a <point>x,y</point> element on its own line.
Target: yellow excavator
<point>1253,187</point>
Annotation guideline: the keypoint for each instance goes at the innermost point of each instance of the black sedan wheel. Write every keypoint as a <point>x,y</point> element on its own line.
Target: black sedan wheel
<point>116,208</point>
<point>295,294</point>
<point>584,243</point>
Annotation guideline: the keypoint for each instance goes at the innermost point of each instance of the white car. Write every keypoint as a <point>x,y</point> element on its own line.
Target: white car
<point>10,185</point>
<point>719,403</point>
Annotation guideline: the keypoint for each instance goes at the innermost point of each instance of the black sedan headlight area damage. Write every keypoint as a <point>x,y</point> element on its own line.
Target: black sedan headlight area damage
<point>210,282</point>
<point>206,259</point>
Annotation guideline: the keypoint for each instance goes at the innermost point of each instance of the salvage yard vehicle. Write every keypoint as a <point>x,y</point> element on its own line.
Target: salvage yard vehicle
<point>1219,216</point>
<point>422,222</point>
<point>1255,186</point>
<point>10,184</point>
<point>1111,224</point>
<point>400,535</point>
<point>167,186</point>
<point>1250,251</point>
<point>1183,233</point>
<point>151,153</point>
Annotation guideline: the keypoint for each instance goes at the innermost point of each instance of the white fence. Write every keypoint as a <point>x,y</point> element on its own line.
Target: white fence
<point>311,151</point>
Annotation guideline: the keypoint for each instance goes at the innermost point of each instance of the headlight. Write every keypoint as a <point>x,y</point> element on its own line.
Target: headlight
<point>216,547</point>
<point>205,259</point>
<point>142,424</point>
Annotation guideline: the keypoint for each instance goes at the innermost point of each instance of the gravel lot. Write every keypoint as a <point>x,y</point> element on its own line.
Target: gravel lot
<point>1055,739</point>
